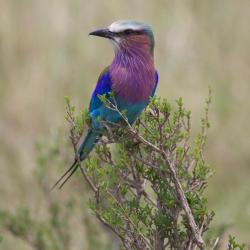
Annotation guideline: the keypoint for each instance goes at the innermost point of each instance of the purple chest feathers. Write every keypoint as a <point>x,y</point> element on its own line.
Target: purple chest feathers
<point>132,74</point>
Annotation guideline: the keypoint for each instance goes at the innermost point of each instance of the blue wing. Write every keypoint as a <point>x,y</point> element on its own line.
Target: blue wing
<point>156,83</point>
<point>97,110</point>
<point>103,87</point>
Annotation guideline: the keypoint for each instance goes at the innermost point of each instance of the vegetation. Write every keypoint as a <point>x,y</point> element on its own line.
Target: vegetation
<point>148,190</point>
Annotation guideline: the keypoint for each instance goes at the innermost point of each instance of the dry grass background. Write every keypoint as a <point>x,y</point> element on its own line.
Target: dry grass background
<point>45,54</point>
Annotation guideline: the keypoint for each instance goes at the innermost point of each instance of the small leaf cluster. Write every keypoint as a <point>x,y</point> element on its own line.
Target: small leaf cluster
<point>234,245</point>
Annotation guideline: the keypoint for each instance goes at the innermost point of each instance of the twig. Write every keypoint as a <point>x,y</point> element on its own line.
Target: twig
<point>131,222</point>
<point>184,203</point>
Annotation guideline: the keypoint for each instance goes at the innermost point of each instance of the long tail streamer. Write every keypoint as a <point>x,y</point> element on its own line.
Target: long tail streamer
<point>70,171</point>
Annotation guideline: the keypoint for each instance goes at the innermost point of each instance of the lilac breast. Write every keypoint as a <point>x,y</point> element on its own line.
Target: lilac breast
<point>133,77</point>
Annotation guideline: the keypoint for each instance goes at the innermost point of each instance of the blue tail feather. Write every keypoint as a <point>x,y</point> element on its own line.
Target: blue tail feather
<point>87,142</point>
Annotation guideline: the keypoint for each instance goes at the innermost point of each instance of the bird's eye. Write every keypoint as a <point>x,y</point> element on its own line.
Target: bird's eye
<point>128,31</point>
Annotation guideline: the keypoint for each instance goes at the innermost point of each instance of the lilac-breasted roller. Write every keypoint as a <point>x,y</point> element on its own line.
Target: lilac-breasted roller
<point>131,77</point>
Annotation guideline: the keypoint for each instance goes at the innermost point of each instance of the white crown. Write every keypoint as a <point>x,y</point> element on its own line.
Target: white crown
<point>122,25</point>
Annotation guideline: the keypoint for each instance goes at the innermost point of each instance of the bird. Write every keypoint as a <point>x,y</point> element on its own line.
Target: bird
<point>131,77</point>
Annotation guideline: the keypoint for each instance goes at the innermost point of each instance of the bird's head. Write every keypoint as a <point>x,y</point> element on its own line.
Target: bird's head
<point>126,34</point>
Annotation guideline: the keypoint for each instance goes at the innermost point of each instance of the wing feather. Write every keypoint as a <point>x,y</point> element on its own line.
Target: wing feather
<point>103,86</point>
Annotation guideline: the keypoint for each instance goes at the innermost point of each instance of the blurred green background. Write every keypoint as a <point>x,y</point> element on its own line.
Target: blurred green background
<point>46,54</point>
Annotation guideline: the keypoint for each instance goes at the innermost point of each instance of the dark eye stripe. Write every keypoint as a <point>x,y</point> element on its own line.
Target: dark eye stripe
<point>130,31</point>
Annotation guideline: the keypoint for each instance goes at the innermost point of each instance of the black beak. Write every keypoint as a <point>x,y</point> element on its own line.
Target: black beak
<point>103,33</point>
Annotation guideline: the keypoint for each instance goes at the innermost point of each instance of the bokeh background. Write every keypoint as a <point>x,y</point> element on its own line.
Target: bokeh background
<point>46,54</point>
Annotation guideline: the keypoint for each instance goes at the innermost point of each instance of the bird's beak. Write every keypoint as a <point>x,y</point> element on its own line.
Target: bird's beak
<point>103,33</point>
